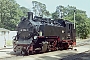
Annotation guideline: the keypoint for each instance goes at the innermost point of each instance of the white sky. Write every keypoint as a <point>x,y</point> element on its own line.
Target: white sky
<point>51,4</point>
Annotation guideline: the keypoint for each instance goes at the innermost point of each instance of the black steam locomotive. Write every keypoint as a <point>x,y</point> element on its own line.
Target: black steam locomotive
<point>43,34</point>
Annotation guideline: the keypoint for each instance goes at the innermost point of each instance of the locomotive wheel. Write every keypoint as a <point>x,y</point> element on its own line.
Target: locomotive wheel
<point>24,53</point>
<point>31,52</point>
<point>65,46</point>
<point>49,47</point>
<point>61,48</point>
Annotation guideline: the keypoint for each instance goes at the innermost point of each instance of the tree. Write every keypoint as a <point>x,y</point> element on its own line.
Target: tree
<point>83,30</point>
<point>10,13</point>
<point>80,17</point>
<point>24,10</point>
<point>55,15</point>
<point>39,9</point>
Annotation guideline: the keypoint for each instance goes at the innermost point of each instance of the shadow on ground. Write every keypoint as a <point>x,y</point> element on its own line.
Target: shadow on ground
<point>80,56</point>
<point>69,56</point>
<point>57,57</point>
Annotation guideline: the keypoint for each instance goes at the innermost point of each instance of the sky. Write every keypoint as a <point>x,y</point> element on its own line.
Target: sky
<point>52,4</point>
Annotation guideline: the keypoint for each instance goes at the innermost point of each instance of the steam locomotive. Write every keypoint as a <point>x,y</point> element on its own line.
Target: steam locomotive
<point>37,34</point>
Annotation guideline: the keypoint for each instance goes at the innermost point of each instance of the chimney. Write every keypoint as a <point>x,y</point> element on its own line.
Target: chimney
<point>30,16</point>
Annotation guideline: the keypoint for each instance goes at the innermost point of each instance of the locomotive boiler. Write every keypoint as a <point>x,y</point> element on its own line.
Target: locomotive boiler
<point>38,34</point>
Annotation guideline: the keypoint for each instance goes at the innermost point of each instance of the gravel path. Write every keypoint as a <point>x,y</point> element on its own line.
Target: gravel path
<point>80,54</point>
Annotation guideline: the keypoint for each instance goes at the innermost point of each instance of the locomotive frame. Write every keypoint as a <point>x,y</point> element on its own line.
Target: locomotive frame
<point>36,35</point>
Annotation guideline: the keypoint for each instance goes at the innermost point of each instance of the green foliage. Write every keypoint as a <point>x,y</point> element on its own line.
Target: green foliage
<point>24,10</point>
<point>10,13</point>
<point>82,21</point>
<point>83,30</point>
<point>55,15</point>
<point>39,9</point>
